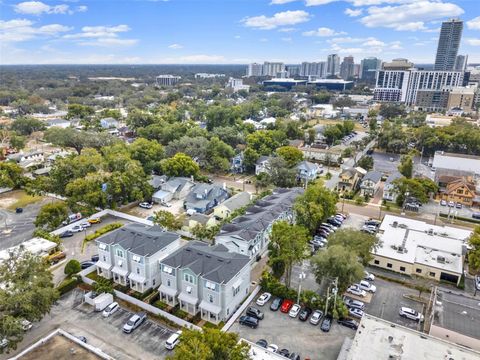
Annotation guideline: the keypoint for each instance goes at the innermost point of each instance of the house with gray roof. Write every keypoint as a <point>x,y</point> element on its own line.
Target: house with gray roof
<point>204,197</point>
<point>370,183</point>
<point>206,279</point>
<point>249,234</point>
<point>175,188</point>
<point>308,171</point>
<point>236,202</point>
<point>109,123</point>
<point>262,165</point>
<point>131,254</point>
<point>389,191</point>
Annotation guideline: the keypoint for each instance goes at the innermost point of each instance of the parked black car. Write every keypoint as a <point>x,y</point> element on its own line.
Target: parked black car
<point>305,314</point>
<point>334,222</point>
<point>19,210</point>
<point>326,323</point>
<point>95,258</point>
<point>276,303</point>
<point>65,234</point>
<point>284,352</point>
<point>295,356</point>
<point>262,342</point>
<point>86,264</point>
<point>254,312</point>
<point>350,323</point>
<point>249,321</point>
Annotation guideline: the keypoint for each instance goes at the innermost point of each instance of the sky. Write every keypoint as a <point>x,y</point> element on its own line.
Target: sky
<point>228,31</point>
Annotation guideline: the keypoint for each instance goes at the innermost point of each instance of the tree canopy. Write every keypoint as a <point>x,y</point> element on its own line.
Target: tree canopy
<point>180,165</point>
<point>356,241</point>
<point>51,215</point>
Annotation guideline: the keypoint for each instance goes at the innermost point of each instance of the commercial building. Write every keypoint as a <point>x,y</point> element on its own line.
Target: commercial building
<point>272,68</point>
<point>333,65</point>
<point>347,68</point>
<point>381,340</point>
<point>208,76</point>
<point>415,247</point>
<point>369,67</point>
<point>130,255</point>
<point>293,70</point>
<point>332,84</point>
<point>237,85</point>
<point>167,80</point>
<point>318,69</point>
<point>36,246</point>
<point>284,83</point>
<point>249,234</point>
<point>461,63</point>
<point>205,279</point>
<point>254,69</point>
<point>463,98</point>
<point>448,44</point>
<point>397,64</point>
<point>450,164</point>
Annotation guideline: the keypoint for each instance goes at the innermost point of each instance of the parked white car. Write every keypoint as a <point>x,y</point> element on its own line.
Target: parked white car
<point>173,340</point>
<point>369,276</point>
<point>355,290</point>
<point>85,225</point>
<point>77,228</point>
<point>355,312</point>
<point>263,299</point>
<point>316,317</point>
<point>294,310</point>
<point>365,285</point>
<point>110,309</point>
<point>272,348</point>
<point>411,314</point>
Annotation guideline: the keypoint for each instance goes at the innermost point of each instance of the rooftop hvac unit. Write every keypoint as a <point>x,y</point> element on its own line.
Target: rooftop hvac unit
<point>441,259</point>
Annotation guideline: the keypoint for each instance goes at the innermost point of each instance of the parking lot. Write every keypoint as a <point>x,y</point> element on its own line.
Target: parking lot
<point>176,209</point>
<point>295,335</point>
<point>145,342</point>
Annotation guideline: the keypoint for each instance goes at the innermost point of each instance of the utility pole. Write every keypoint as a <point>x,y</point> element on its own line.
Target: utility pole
<point>326,302</point>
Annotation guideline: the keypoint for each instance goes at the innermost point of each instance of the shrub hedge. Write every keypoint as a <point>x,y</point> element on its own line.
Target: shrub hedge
<point>68,284</point>
<point>103,230</point>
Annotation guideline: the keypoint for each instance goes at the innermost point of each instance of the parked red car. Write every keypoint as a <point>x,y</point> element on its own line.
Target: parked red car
<point>286,305</point>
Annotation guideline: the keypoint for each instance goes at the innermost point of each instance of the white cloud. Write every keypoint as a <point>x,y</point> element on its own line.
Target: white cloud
<point>353,12</point>
<point>106,36</point>
<point>411,16</point>
<point>287,39</point>
<point>318,2</point>
<point>287,29</point>
<point>39,8</point>
<point>322,32</point>
<point>474,24</point>
<point>108,42</point>
<point>284,18</point>
<point>17,30</point>
<point>175,46</point>
<point>237,36</point>
<point>263,40</point>
<point>473,42</point>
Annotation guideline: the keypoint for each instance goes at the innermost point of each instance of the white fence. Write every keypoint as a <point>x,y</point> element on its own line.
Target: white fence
<point>147,307</point>
<point>239,311</point>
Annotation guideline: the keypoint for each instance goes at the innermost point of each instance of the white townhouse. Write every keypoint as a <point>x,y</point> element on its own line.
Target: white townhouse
<point>249,234</point>
<point>131,255</point>
<point>206,279</point>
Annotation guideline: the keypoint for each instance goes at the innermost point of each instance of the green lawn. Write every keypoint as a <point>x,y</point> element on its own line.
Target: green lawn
<point>21,199</point>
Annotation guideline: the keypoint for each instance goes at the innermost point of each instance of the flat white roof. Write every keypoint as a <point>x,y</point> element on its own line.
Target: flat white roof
<point>460,162</point>
<point>414,241</point>
<point>382,340</point>
<point>37,246</point>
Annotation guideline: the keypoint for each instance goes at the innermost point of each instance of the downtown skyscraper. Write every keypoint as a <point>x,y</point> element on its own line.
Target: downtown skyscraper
<point>448,44</point>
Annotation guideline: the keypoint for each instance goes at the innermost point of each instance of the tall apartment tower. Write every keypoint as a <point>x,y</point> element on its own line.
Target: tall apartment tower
<point>254,69</point>
<point>347,68</point>
<point>272,68</point>
<point>461,63</point>
<point>448,44</point>
<point>369,67</point>
<point>333,65</point>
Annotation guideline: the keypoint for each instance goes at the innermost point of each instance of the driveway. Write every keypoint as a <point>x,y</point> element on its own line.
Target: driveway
<point>145,342</point>
<point>295,335</point>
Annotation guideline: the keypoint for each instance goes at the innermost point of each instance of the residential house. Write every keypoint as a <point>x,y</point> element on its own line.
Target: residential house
<point>370,183</point>
<point>157,180</point>
<point>29,159</point>
<point>204,197</point>
<point>109,123</point>
<point>249,234</point>
<point>349,179</point>
<point>262,165</point>
<point>196,219</point>
<point>61,123</point>
<point>237,166</point>
<point>225,209</point>
<point>389,191</point>
<point>460,190</point>
<point>131,254</point>
<point>329,156</point>
<point>296,143</point>
<point>205,279</point>
<point>175,188</point>
<point>308,171</point>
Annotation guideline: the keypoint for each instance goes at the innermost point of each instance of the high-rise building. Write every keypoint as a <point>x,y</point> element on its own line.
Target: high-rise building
<point>317,69</point>
<point>167,80</point>
<point>237,85</point>
<point>347,68</point>
<point>404,86</point>
<point>461,63</point>
<point>369,67</point>
<point>448,44</point>
<point>293,70</point>
<point>272,68</point>
<point>333,65</point>
<point>254,69</point>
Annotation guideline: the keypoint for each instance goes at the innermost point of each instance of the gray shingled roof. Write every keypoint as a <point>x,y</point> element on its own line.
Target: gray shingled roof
<point>140,239</point>
<point>237,201</point>
<point>394,176</point>
<point>374,176</point>
<point>307,165</point>
<point>209,192</point>
<point>213,263</point>
<point>259,216</point>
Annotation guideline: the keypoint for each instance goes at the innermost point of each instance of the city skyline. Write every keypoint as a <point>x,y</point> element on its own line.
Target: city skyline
<point>240,32</point>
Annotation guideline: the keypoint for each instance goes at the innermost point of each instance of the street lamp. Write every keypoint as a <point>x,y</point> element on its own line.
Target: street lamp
<point>301,276</point>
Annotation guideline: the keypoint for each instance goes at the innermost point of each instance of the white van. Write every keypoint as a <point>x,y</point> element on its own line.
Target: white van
<point>173,340</point>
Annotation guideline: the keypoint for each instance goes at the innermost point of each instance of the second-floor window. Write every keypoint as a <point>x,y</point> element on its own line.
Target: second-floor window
<point>104,258</point>
<point>236,290</point>
<point>119,253</point>
<point>138,270</point>
<point>189,278</point>
<point>210,298</point>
